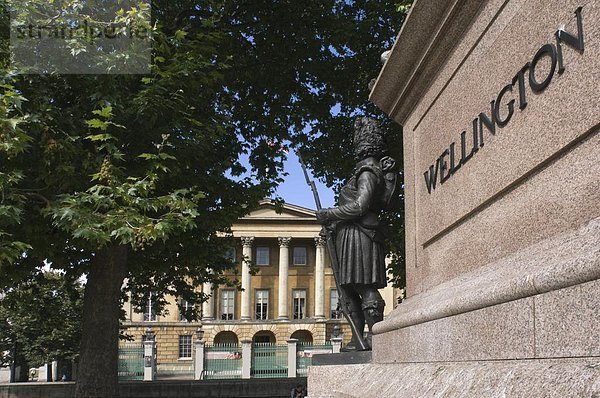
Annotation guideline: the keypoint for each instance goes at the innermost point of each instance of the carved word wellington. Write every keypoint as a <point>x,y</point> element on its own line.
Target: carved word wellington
<point>446,165</point>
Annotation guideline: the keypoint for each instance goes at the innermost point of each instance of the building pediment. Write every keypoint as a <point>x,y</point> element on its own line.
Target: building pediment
<point>269,220</point>
<point>268,210</point>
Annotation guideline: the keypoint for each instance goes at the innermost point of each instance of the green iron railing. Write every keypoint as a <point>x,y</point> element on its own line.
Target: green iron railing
<point>304,353</point>
<point>269,360</point>
<point>222,361</point>
<point>131,361</point>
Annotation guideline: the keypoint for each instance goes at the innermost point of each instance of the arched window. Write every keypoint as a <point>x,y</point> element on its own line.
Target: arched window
<point>264,336</point>
<point>226,337</point>
<point>303,336</point>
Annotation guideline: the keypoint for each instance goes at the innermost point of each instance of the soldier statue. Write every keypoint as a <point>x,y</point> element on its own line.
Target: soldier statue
<point>358,234</point>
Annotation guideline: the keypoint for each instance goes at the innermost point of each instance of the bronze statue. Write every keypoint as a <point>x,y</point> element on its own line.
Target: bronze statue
<point>357,233</point>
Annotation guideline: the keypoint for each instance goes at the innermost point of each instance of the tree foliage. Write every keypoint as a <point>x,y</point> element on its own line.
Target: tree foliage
<point>124,159</point>
<point>149,170</point>
<point>42,317</point>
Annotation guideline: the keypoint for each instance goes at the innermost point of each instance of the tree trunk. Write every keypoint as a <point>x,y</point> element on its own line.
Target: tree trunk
<point>97,375</point>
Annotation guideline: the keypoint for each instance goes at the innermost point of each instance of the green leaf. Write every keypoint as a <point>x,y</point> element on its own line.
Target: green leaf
<point>105,112</point>
<point>13,123</point>
<point>180,35</point>
<point>97,124</point>
<point>99,137</point>
<point>148,156</point>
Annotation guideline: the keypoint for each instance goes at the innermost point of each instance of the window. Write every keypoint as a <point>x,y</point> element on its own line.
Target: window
<point>299,256</point>
<point>149,313</point>
<point>334,302</point>
<point>262,255</point>
<point>262,340</point>
<point>226,337</point>
<point>185,311</point>
<point>262,304</point>
<point>227,304</point>
<point>230,254</point>
<point>299,300</point>
<point>264,337</point>
<point>185,346</point>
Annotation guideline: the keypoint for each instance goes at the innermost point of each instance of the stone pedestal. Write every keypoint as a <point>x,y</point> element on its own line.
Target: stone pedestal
<point>499,104</point>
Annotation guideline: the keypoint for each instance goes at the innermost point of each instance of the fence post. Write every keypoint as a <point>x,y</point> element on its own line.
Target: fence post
<point>199,357</point>
<point>292,357</point>
<point>336,344</point>
<point>149,360</point>
<point>246,358</point>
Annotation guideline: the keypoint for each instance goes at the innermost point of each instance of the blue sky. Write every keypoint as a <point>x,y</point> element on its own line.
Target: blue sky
<point>294,189</point>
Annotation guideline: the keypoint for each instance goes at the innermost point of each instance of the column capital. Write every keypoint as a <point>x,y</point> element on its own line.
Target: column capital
<point>284,242</point>
<point>247,241</point>
<point>320,241</point>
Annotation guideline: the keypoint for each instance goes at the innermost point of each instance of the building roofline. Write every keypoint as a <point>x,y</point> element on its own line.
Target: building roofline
<point>286,206</point>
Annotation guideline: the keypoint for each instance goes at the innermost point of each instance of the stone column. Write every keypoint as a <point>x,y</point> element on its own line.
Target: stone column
<point>246,358</point>
<point>209,305</point>
<point>320,278</point>
<point>292,357</point>
<point>284,264</point>
<point>246,284</point>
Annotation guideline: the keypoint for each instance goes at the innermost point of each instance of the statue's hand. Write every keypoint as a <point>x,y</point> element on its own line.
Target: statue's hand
<point>387,163</point>
<point>323,216</point>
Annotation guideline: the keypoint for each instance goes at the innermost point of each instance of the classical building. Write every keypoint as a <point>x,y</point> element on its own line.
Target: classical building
<point>292,295</point>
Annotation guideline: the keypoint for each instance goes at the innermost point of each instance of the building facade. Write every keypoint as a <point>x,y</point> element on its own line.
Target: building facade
<point>292,294</point>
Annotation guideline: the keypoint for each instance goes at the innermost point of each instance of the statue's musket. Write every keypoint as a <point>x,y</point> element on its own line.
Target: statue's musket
<point>334,262</point>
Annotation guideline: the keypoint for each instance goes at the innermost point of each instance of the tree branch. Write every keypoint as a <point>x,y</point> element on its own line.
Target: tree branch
<point>38,196</point>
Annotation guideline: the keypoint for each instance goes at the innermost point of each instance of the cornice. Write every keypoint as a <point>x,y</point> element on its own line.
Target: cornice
<point>433,28</point>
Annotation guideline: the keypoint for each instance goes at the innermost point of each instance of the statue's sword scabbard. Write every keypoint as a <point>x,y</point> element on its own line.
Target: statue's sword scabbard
<point>334,262</point>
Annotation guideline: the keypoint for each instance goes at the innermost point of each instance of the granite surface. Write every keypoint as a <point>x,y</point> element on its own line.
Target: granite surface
<point>558,262</point>
<point>556,199</point>
<point>343,358</point>
<point>561,323</point>
<point>566,112</point>
<point>567,322</point>
<point>504,331</point>
<point>504,36</point>
<point>572,378</point>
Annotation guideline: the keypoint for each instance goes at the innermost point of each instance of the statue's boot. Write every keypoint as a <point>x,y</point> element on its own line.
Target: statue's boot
<point>373,313</point>
<point>359,320</point>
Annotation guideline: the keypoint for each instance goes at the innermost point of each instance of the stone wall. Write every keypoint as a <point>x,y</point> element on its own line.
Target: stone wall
<point>266,388</point>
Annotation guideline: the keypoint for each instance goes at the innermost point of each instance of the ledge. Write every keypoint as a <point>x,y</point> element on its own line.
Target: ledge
<point>561,261</point>
<point>493,379</point>
<point>433,29</point>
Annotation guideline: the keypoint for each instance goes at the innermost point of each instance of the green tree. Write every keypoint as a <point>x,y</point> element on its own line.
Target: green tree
<point>133,177</point>
<point>42,317</point>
